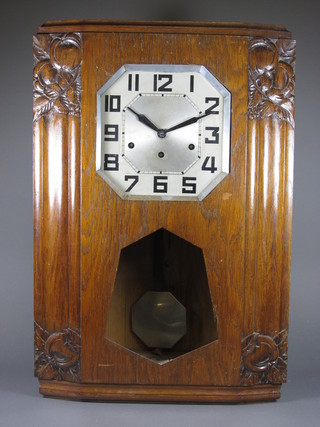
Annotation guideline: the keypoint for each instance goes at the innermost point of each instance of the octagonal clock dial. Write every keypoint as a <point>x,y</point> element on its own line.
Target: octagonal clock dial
<point>163,132</point>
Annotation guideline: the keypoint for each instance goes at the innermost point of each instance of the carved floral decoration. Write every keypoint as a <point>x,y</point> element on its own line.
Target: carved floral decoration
<point>56,76</point>
<point>271,79</point>
<point>57,355</point>
<point>264,359</point>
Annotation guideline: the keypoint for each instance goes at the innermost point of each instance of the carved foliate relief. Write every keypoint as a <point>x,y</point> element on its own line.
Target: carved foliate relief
<point>271,79</point>
<point>264,359</point>
<point>57,355</point>
<point>57,76</point>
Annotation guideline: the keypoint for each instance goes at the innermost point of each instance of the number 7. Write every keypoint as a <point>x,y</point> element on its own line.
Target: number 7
<point>135,181</point>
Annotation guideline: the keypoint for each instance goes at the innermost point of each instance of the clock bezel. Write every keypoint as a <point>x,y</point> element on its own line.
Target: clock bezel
<point>226,127</point>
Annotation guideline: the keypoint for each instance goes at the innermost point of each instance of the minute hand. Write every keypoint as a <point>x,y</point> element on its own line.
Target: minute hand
<point>189,121</point>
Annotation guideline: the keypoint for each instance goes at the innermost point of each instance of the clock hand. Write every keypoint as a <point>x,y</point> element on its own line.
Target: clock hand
<point>143,119</point>
<point>189,121</point>
<point>163,132</point>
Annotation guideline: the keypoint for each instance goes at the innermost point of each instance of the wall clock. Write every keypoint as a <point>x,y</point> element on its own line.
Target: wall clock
<point>163,168</point>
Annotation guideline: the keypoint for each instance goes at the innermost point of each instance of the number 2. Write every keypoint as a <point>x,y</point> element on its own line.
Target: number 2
<point>215,102</point>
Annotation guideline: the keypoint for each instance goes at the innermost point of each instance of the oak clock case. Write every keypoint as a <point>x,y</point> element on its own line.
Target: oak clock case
<point>162,210</point>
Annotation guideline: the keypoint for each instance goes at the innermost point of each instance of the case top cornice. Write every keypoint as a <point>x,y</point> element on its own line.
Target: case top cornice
<point>177,27</point>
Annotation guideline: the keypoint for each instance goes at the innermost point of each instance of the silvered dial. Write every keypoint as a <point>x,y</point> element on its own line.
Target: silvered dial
<point>163,132</point>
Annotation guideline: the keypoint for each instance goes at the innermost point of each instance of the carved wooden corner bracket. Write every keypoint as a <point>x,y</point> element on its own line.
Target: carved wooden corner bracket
<point>264,359</point>
<point>271,79</point>
<point>57,355</point>
<point>57,75</point>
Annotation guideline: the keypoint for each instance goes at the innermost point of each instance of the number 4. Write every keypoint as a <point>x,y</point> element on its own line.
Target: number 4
<point>209,164</point>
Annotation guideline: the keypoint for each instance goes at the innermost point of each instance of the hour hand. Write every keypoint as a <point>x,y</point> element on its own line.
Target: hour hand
<point>143,119</point>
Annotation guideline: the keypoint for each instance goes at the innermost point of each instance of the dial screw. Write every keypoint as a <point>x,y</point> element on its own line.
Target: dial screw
<point>161,154</point>
<point>131,145</point>
<point>191,146</point>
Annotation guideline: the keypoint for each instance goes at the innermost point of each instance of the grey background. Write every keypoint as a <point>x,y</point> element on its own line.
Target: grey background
<point>20,403</point>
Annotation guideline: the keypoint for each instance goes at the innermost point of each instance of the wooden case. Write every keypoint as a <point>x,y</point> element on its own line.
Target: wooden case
<point>243,227</point>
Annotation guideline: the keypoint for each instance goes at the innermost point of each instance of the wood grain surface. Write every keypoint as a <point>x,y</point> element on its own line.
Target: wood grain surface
<point>243,226</point>
<point>110,224</point>
<point>163,27</point>
<point>129,393</point>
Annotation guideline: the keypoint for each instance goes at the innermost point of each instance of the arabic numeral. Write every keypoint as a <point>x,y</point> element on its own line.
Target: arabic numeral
<point>189,185</point>
<point>160,184</point>
<point>209,164</point>
<point>111,132</point>
<point>133,82</point>
<point>215,104</point>
<point>111,162</point>
<point>134,178</point>
<point>214,133</point>
<point>112,103</point>
<point>164,87</point>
